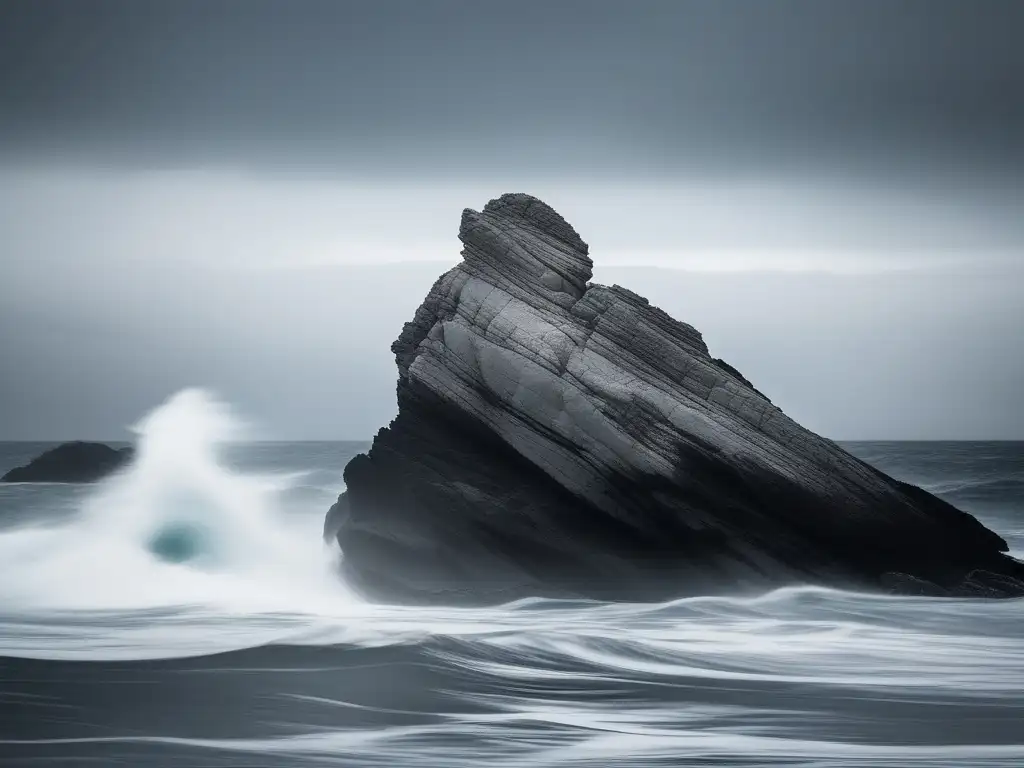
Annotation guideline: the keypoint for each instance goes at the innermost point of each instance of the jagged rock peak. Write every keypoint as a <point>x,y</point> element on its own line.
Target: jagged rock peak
<point>517,205</point>
<point>524,239</point>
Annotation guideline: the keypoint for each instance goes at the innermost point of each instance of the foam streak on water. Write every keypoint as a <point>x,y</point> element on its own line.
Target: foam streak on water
<point>186,612</point>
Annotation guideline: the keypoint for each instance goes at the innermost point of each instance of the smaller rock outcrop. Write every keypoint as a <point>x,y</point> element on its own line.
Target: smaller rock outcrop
<point>75,462</point>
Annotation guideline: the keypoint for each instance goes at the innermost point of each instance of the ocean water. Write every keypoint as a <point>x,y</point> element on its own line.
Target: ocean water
<point>186,613</point>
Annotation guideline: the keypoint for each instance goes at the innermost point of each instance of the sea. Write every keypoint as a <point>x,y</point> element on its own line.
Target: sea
<point>186,612</point>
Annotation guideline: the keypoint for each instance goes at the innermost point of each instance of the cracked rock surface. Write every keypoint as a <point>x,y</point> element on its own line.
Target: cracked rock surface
<point>562,438</point>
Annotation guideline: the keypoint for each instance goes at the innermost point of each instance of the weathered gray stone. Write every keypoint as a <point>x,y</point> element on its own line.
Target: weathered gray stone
<point>561,437</point>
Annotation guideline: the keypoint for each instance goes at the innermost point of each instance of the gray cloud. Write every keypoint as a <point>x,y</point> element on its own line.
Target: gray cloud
<point>647,85</point>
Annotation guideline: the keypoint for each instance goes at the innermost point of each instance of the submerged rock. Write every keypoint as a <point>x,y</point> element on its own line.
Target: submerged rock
<point>75,462</point>
<point>557,437</point>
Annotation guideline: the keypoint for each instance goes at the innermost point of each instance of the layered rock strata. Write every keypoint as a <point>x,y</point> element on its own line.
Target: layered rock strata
<point>559,437</point>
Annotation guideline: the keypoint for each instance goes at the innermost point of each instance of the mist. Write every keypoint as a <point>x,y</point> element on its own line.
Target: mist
<point>285,294</point>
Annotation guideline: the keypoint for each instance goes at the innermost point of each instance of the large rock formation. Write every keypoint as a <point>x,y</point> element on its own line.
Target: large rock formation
<point>75,462</point>
<point>557,437</point>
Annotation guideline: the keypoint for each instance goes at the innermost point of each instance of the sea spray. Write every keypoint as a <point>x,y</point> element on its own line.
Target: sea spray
<point>177,526</point>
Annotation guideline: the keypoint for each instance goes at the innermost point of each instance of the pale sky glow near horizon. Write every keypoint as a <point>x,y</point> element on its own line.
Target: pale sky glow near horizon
<point>254,197</point>
<point>228,219</point>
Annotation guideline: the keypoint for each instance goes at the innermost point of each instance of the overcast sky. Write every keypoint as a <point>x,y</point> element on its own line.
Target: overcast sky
<point>253,196</point>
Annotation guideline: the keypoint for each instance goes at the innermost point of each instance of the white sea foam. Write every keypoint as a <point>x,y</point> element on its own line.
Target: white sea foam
<point>176,527</point>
